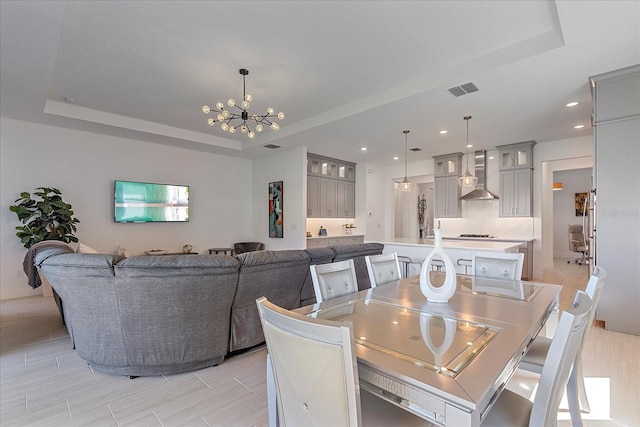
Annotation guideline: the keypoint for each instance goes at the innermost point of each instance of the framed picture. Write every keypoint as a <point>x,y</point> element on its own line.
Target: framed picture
<point>275,210</point>
<point>582,204</point>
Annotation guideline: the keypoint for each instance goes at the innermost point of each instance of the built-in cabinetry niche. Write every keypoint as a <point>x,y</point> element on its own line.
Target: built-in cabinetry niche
<point>447,191</point>
<point>330,188</point>
<point>516,179</point>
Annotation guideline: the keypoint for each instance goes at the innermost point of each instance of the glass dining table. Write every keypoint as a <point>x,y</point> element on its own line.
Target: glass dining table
<point>446,363</point>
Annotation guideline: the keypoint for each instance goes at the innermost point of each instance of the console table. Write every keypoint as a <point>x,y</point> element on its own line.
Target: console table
<point>226,251</point>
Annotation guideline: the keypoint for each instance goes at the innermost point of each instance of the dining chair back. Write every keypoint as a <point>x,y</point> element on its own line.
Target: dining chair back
<point>242,247</point>
<point>498,265</point>
<point>333,280</point>
<point>383,268</point>
<point>535,357</point>
<point>512,409</point>
<point>318,384</point>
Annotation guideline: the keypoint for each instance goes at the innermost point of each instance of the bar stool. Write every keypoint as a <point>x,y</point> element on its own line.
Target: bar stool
<point>407,262</point>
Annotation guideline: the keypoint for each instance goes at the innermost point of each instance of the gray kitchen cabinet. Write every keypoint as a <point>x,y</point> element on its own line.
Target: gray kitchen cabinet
<point>516,179</point>
<point>330,188</point>
<point>447,170</point>
<point>516,156</point>
<point>616,119</point>
<point>313,165</point>
<point>313,196</point>
<point>328,198</point>
<point>346,199</point>
<point>515,193</point>
<point>322,166</point>
<point>346,171</point>
<point>448,165</point>
<point>447,197</point>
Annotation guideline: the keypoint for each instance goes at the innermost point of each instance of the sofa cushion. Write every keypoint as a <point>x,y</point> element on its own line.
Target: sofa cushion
<point>277,275</point>
<point>78,264</point>
<point>176,265</point>
<point>357,252</point>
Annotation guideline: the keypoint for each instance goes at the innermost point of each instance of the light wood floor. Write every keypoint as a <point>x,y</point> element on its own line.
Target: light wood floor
<point>44,383</point>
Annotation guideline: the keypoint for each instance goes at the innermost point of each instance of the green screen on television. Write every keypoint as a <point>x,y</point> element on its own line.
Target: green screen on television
<point>147,202</point>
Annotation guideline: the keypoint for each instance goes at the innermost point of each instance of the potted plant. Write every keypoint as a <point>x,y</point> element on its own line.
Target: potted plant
<point>45,217</point>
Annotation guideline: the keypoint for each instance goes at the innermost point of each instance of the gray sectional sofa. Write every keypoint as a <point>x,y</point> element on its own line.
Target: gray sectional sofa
<point>154,315</point>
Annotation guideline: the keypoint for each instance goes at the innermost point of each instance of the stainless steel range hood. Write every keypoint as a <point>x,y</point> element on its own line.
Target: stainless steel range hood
<point>480,192</point>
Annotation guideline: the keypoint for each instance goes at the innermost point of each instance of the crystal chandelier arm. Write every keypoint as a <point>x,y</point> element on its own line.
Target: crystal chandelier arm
<point>227,118</point>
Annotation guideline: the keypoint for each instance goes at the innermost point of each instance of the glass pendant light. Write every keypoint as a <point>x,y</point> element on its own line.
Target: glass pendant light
<point>405,185</point>
<point>467,180</point>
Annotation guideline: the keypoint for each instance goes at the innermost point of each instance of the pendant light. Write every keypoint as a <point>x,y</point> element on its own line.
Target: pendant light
<point>467,180</point>
<point>405,185</point>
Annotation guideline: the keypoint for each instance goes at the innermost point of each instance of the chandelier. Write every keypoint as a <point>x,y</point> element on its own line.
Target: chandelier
<point>232,120</point>
<point>467,180</point>
<point>405,185</point>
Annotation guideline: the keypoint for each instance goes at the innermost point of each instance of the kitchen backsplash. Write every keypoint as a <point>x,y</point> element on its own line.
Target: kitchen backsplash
<point>481,217</point>
<point>333,225</point>
<point>478,217</point>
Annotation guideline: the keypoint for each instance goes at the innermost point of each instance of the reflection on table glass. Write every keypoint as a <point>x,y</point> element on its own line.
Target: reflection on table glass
<point>513,289</point>
<point>441,344</point>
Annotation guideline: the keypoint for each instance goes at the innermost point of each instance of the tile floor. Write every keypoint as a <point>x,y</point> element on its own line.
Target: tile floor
<point>44,383</point>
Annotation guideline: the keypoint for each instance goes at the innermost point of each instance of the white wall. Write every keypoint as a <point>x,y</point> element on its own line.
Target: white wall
<point>564,212</point>
<point>574,153</point>
<point>84,165</point>
<point>288,166</point>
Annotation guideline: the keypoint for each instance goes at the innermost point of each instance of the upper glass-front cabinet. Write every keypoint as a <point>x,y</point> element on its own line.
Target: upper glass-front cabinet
<point>346,171</point>
<point>448,164</point>
<point>516,156</point>
<point>330,168</point>
<point>322,167</point>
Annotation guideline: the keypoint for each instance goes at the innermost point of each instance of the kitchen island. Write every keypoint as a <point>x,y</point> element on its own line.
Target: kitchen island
<point>461,252</point>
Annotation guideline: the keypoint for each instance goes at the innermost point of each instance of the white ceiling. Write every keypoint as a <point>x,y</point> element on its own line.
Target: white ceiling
<point>347,74</point>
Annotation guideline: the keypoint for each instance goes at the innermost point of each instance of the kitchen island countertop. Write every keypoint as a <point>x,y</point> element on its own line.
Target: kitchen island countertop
<point>478,245</point>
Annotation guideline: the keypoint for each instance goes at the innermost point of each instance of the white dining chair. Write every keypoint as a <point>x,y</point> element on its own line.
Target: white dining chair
<point>534,359</point>
<point>512,409</point>
<point>334,279</point>
<point>317,384</point>
<point>498,265</point>
<point>383,268</point>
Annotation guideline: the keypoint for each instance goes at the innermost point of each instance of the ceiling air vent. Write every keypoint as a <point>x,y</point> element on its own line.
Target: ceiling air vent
<point>415,149</point>
<point>272,146</point>
<point>463,89</point>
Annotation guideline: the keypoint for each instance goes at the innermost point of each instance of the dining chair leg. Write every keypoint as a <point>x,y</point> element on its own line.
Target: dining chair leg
<point>582,390</point>
<point>272,405</point>
<point>573,399</point>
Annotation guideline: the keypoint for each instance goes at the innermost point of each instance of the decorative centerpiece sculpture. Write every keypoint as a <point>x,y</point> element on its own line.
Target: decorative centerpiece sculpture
<point>445,291</point>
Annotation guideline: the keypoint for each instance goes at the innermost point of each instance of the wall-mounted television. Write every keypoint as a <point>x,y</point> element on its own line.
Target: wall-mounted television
<point>149,202</point>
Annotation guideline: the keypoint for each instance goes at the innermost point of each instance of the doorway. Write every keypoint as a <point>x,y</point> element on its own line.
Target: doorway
<point>547,236</point>
<point>414,211</point>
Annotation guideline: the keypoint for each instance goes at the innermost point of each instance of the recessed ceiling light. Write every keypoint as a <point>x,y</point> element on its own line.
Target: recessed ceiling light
<point>363,149</point>
<point>396,158</point>
<point>578,126</point>
<point>572,104</point>
<point>442,132</point>
<point>469,145</point>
